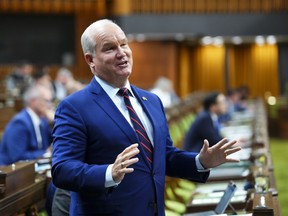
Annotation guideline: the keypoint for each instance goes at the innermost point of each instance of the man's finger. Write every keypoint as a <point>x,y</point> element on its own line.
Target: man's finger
<point>205,145</point>
<point>128,163</point>
<point>228,145</point>
<point>127,170</point>
<point>232,160</point>
<point>128,149</point>
<point>233,150</point>
<point>130,154</point>
<point>220,144</point>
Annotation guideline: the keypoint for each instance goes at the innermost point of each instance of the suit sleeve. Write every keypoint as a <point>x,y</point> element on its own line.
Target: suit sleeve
<point>18,143</point>
<point>180,163</point>
<point>69,170</point>
<point>207,131</point>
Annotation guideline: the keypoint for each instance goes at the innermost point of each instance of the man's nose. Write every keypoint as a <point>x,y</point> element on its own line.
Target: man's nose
<point>120,53</point>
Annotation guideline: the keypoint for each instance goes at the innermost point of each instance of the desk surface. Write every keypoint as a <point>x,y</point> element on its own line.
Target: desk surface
<point>24,198</point>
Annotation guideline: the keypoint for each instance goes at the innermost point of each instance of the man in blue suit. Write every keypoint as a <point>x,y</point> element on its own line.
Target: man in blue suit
<point>207,124</point>
<point>100,156</point>
<point>28,135</point>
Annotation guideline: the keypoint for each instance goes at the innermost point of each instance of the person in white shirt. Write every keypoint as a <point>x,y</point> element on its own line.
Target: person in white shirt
<point>164,90</point>
<point>28,135</point>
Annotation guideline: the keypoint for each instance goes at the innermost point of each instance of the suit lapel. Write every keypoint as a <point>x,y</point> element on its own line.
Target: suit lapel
<point>104,101</point>
<point>31,128</point>
<point>148,108</point>
<point>106,104</point>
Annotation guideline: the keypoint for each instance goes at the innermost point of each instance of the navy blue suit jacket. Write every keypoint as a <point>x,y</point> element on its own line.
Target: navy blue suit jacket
<point>202,128</point>
<point>19,140</point>
<point>90,132</point>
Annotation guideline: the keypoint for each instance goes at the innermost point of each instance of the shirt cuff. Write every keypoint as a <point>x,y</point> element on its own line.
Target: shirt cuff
<point>199,166</point>
<point>109,182</point>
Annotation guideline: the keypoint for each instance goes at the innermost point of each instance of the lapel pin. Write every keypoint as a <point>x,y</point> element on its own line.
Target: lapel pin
<point>144,98</point>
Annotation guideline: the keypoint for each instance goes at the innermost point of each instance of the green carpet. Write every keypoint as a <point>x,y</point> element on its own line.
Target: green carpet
<point>279,151</point>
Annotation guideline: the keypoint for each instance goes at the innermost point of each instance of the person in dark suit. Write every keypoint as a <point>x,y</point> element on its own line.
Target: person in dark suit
<point>206,124</point>
<point>28,135</point>
<point>19,80</point>
<point>112,147</point>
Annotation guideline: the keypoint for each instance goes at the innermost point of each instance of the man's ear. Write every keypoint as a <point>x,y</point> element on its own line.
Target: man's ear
<point>89,60</point>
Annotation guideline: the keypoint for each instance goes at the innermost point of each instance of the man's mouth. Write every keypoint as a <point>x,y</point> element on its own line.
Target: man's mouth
<point>123,64</point>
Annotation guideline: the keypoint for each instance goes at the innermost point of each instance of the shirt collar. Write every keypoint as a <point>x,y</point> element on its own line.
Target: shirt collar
<point>111,90</point>
<point>35,118</point>
<point>213,116</point>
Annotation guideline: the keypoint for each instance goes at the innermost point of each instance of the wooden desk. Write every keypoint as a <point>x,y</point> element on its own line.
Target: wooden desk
<point>23,199</point>
<point>7,114</point>
<point>271,203</point>
<point>255,120</point>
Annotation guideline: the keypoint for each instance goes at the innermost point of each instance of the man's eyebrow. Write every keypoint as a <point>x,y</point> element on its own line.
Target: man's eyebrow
<point>111,43</point>
<point>107,43</point>
<point>124,40</point>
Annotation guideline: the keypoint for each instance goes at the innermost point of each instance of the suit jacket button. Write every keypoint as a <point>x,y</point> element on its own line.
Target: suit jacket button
<point>154,206</point>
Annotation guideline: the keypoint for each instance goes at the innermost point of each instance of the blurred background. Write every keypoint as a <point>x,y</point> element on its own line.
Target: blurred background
<point>197,46</point>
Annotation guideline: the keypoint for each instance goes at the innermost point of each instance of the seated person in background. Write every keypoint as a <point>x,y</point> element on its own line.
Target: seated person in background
<point>65,84</point>
<point>164,90</point>
<point>241,104</point>
<point>206,125</point>
<point>60,84</point>
<point>19,79</point>
<point>28,135</point>
<point>232,101</point>
<point>41,77</point>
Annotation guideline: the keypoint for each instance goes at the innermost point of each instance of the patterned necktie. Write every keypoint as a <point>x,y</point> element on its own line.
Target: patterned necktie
<point>138,126</point>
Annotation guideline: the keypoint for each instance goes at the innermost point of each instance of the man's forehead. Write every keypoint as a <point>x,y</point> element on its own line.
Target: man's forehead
<point>110,37</point>
<point>221,97</point>
<point>107,28</point>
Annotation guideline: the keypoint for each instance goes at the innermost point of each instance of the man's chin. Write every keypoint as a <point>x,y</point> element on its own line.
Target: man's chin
<point>125,73</point>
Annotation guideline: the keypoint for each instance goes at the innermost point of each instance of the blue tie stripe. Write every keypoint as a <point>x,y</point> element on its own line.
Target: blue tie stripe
<point>138,126</point>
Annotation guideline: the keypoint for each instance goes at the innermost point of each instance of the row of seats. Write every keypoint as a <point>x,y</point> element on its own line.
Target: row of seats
<point>255,158</point>
<point>178,192</point>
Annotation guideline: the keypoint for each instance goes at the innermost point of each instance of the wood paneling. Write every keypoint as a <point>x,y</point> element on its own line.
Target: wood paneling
<point>82,71</point>
<point>184,71</point>
<point>53,6</point>
<point>207,68</point>
<point>197,6</point>
<point>152,60</point>
<point>85,11</point>
<point>256,67</point>
<point>123,6</point>
<point>189,68</point>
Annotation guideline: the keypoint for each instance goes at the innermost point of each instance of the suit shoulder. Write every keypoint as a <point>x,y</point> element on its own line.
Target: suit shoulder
<point>21,119</point>
<point>204,115</point>
<point>21,116</point>
<point>145,94</point>
<point>201,118</point>
<point>77,97</point>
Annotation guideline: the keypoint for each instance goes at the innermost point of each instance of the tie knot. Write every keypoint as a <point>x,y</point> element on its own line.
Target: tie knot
<point>123,92</point>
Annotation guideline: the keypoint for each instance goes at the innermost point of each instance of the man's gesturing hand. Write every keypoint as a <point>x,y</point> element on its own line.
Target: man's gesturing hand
<point>216,155</point>
<point>123,161</point>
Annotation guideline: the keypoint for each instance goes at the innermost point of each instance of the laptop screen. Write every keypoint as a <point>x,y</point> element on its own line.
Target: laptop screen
<point>225,199</point>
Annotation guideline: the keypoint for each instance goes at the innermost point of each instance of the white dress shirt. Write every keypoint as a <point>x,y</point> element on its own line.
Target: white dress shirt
<point>36,123</point>
<point>119,102</point>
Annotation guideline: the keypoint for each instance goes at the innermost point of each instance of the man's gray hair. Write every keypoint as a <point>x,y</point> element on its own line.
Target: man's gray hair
<point>65,72</point>
<point>87,42</point>
<point>31,93</point>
